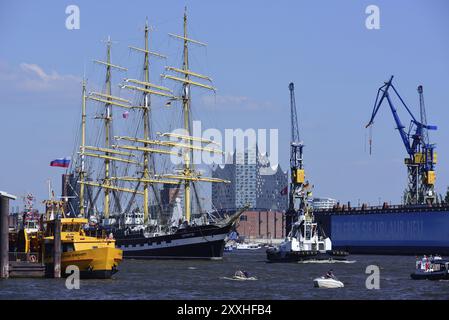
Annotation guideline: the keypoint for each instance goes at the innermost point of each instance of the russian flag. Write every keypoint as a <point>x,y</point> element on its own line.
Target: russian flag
<point>61,162</point>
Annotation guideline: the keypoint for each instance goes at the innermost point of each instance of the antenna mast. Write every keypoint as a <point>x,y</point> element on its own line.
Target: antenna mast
<point>83,144</point>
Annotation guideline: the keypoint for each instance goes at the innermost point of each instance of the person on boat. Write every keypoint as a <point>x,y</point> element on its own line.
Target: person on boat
<point>242,274</point>
<point>239,273</point>
<point>330,274</point>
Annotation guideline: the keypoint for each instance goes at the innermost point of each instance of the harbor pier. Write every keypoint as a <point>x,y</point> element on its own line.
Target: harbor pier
<point>57,248</point>
<point>14,264</point>
<point>4,233</point>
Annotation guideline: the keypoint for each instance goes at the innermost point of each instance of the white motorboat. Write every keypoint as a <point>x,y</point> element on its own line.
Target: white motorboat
<point>328,283</point>
<point>241,275</point>
<point>243,278</point>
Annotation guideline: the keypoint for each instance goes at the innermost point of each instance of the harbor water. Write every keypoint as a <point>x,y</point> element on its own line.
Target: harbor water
<point>190,279</point>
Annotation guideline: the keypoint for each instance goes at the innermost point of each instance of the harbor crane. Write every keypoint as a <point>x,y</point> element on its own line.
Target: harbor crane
<point>421,158</point>
<point>297,193</point>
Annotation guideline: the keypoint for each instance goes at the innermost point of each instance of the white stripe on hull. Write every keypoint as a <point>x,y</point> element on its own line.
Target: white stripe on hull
<point>173,243</point>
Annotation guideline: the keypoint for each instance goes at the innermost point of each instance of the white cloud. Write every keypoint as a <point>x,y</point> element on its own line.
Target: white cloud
<point>30,77</point>
<point>35,69</point>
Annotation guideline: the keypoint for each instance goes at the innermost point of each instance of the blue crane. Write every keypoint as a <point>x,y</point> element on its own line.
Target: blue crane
<point>421,155</point>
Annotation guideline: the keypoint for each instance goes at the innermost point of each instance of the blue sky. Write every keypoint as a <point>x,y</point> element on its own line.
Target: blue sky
<point>255,48</point>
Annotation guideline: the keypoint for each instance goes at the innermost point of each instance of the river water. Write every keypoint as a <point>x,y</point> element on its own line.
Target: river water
<point>189,280</point>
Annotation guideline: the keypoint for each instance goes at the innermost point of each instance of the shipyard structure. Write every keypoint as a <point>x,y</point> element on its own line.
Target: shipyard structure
<point>419,226</point>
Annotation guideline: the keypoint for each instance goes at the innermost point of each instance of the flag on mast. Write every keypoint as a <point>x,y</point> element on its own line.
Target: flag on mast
<point>61,162</point>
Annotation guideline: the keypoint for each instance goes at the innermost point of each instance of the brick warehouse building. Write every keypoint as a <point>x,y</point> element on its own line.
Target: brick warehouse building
<point>263,224</point>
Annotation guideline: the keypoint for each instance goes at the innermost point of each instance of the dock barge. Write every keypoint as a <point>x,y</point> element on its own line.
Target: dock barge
<point>395,230</point>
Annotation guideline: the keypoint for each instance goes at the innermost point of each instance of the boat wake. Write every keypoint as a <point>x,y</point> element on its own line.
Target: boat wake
<point>327,261</point>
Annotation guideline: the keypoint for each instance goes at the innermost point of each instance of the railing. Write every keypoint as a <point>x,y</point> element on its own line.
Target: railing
<point>33,257</point>
<point>383,208</point>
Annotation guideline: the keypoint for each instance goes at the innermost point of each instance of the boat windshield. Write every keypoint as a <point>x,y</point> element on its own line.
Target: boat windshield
<point>31,225</point>
<point>71,227</point>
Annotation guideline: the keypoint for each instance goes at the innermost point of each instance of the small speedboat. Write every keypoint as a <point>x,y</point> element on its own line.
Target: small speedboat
<point>243,275</point>
<point>243,278</point>
<point>328,283</point>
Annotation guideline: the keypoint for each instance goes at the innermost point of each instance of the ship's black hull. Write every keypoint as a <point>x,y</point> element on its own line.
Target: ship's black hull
<point>434,275</point>
<point>198,242</point>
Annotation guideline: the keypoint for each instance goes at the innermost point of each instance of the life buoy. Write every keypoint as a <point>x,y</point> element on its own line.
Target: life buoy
<point>33,258</point>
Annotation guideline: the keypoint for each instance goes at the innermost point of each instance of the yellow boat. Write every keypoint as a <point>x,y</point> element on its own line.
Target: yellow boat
<point>96,257</point>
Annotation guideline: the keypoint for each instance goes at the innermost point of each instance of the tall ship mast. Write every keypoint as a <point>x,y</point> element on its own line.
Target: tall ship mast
<point>145,87</point>
<point>104,152</point>
<point>138,234</point>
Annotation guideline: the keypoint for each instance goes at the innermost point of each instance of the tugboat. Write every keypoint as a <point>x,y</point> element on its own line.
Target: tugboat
<point>432,268</point>
<point>26,238</point>
<point>96,257</point>
<point>303,241</point>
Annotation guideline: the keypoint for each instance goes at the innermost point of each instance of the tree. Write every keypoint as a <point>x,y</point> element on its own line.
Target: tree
<point>446,198</point>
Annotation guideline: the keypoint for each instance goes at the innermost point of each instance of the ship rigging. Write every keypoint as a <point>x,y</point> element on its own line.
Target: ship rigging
<point>141,174</point>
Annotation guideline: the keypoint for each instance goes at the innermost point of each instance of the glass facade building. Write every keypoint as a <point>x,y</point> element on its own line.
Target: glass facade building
<point>253,181</point>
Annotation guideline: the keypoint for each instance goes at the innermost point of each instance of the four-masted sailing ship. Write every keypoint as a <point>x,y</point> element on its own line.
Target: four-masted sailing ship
<point>135,233</point>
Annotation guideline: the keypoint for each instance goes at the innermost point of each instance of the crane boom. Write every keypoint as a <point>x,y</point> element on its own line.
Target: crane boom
<point>422,111</point>
<point>294,116</point>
